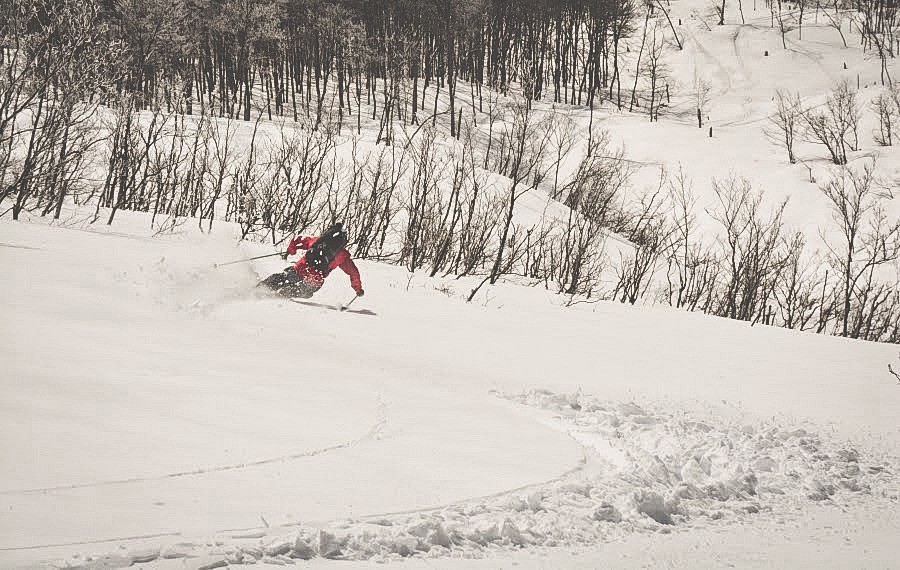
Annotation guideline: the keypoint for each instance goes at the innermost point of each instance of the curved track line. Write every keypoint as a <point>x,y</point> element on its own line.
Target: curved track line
<point>569,472</point>
<point>364,518</point>
<point>94,541</point>
<point>15,246</point>
<point>582,463</point>
<point>377,427</point>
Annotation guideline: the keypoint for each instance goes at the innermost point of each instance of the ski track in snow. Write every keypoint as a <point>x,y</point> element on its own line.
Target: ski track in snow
<point>645,470</point>
<point>14,246</point>
<point>373,433</point>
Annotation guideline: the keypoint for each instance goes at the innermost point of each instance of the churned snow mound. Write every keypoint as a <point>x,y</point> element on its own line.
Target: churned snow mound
<point>645,470</point>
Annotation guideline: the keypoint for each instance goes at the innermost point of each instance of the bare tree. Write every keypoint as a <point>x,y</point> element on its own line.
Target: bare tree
<point>885,106</point>
<point>655,70</point>
<point>423,201</point>
<point>868,239</point>
<point>297,165</point>
<point>836,123</point>
<point>639,63</point>
<point>564,138</point>
<point>373,187</point>
<point>223,154</point>
<point>592,196</point>
<point>784,24</point>
<point>54,61</point>
<point>798,291</point>
<point>752,248</point>
<point>801,9</point>
<point>659,6</point>
<point>651,234</point>
<point>692,268</point>
<point>250,199</point>
<point>836,21</point>
<point>720,12</point>
<point>701,90</point>
<point>480,216</point>
<point>523,144</point>
<point>785,124</point>
<point>877,23</point>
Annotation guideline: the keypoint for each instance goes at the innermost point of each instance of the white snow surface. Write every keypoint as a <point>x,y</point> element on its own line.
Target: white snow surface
<point>155,407</point>
<point>155,411</point>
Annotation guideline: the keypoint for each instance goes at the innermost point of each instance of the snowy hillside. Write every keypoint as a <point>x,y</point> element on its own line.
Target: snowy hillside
<point>151,402</point>
<point>157,411</point>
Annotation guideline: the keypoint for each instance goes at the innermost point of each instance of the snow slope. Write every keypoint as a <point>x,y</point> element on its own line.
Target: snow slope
<point>154,411</point>
<point>151,400</point>
<point>117,399</point>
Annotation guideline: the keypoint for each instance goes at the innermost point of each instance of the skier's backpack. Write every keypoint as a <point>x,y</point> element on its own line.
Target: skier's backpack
<point>326,248</point>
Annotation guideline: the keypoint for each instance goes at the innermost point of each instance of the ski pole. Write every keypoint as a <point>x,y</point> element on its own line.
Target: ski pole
<point>245,260</point>
<point>344,308</point>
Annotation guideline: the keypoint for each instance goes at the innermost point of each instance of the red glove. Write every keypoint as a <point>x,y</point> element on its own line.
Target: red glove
<point>291,248</point>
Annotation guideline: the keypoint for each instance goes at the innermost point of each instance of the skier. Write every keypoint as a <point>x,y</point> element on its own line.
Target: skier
<point>307,275</point>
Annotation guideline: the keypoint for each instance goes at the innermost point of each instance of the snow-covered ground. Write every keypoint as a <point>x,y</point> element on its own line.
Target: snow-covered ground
<point>156,411</point>
<point>150,400</point>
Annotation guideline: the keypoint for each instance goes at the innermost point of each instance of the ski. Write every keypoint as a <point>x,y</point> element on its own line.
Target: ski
<point>333,307</point>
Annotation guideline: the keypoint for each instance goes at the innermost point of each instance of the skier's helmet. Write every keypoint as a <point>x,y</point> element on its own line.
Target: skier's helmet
<point>321,254</point>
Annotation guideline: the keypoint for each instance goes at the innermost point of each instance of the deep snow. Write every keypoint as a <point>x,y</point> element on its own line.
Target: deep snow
<point>131,412</point>
<point>153,406</point>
